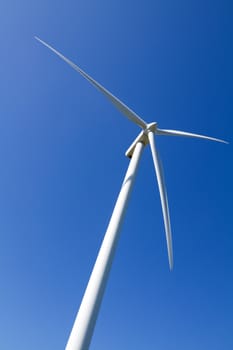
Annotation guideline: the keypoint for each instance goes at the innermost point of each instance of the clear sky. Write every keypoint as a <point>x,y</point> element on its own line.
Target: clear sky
<point>62,162</point>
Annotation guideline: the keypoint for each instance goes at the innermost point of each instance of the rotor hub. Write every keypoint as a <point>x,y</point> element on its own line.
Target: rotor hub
<point>142,137</point>
<point>151,127</point>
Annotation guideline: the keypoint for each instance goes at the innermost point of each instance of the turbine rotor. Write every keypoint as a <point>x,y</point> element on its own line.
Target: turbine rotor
<point>146,136</point>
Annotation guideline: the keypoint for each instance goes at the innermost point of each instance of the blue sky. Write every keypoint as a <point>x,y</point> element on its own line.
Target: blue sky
<point>62,163</point>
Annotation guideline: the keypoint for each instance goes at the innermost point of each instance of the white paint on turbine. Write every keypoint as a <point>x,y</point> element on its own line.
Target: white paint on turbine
<point>187,134</point>
<point>129,113</point>
<point>83,328</point>
<point>163,197</point>
<point>84,324</point>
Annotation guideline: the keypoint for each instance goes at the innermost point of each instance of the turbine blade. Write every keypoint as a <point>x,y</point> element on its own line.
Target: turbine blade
<point>129,113</point>
<point>186,134</point>
<point>163,197</point>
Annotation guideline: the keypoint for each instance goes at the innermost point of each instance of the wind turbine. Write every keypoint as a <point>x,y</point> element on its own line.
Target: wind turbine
<point>80,336</point>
